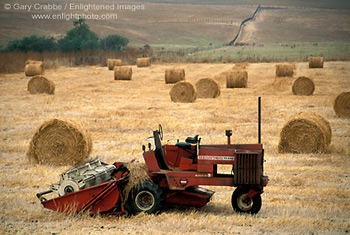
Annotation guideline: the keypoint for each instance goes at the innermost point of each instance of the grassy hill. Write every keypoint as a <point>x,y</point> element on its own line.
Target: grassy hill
<point>186,24</point>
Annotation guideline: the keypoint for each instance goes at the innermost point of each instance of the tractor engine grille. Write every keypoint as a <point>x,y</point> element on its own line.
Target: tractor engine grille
<point>248,169</point>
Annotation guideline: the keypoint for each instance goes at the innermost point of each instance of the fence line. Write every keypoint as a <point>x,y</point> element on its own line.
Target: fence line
<point>242,25</point>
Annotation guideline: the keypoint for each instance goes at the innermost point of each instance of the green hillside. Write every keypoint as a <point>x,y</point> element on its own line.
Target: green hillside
<point>200,25</point>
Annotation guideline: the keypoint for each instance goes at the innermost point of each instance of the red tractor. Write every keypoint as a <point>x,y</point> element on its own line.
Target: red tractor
<point>175,174</point>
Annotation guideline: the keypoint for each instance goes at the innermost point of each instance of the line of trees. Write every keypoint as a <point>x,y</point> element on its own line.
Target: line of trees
<point>77,39</point>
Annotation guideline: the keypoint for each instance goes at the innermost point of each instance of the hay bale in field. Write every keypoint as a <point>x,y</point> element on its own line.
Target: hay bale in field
<point>284,70</point>
<point>60,143</point>
<point>122,73</point>
<point>40,84</point>
<point>111,63</point>
<point>138,174</point>
<point>316,62</point>
<point>341,104</point>
<point>183,92</point>
<point>236,79</point>
<point>33,68</point>
<point>305,133</point>
<point>174,75</point>
<point>221,78</point>
<point>143,62</point>
<point>282,84</point>
<point>241,65</point>
<point>207,88</point>
<point>303,86</point>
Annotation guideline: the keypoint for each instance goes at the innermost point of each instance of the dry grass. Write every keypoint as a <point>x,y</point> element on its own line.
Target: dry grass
<point>307,193</point>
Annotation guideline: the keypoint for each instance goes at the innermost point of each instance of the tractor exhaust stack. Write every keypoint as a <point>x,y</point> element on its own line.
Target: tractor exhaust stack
<point>228,134</point>
<point>259,120</point>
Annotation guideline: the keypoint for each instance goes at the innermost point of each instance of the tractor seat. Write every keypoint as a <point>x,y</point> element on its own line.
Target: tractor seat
<point>183,145</point>
<point>192,140</point>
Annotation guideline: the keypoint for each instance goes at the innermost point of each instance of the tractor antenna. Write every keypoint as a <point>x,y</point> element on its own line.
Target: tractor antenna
<point>259,120</point>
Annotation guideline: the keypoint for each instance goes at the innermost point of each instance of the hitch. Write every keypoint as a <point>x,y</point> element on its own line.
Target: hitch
<point>40,195</point>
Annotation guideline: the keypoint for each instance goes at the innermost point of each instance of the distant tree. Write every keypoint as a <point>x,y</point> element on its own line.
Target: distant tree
<point>114,42</point>
<point>79,38</point>
<point>32,43</point>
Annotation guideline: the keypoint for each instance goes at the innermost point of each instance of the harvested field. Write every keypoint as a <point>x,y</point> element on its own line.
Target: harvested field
<point>306,194</point>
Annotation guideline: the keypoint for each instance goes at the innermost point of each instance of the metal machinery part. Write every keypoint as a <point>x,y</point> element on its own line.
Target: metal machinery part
<point>92,173</point>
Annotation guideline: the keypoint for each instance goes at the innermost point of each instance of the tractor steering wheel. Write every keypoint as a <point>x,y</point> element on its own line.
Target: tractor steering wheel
<point>160,131</point>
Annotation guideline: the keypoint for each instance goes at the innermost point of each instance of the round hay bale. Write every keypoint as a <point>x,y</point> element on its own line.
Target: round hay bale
<point>316,62</point>
<point>284,70</point>
<point>236,79</point>
<point>207,88</point>
<point>122,73</point>
<point>303,86</point>
<point>174,75</point>
<point>143,62</point>
<point>341,104</point>
<point>183,92</point>
<point>40,84</point>
<point>60,143</point>
<point>305,133</point>
<point>33,68</point>
<point>111,63</point>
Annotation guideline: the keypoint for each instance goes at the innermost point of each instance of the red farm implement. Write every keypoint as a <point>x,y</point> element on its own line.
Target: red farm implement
<point>176,173</point>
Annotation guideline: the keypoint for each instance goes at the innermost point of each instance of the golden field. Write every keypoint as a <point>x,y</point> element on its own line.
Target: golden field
<point>306,194</point>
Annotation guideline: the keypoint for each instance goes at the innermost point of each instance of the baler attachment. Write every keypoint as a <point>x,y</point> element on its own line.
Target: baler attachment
<point>103,197</point>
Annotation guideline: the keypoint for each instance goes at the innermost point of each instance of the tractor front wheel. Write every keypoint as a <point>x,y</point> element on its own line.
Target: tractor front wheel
<point>146,197</point>
<point>241,203</point>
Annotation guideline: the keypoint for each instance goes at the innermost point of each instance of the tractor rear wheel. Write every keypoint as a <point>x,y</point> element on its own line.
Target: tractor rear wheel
<point>240,204</point>
<point>146,197</point>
